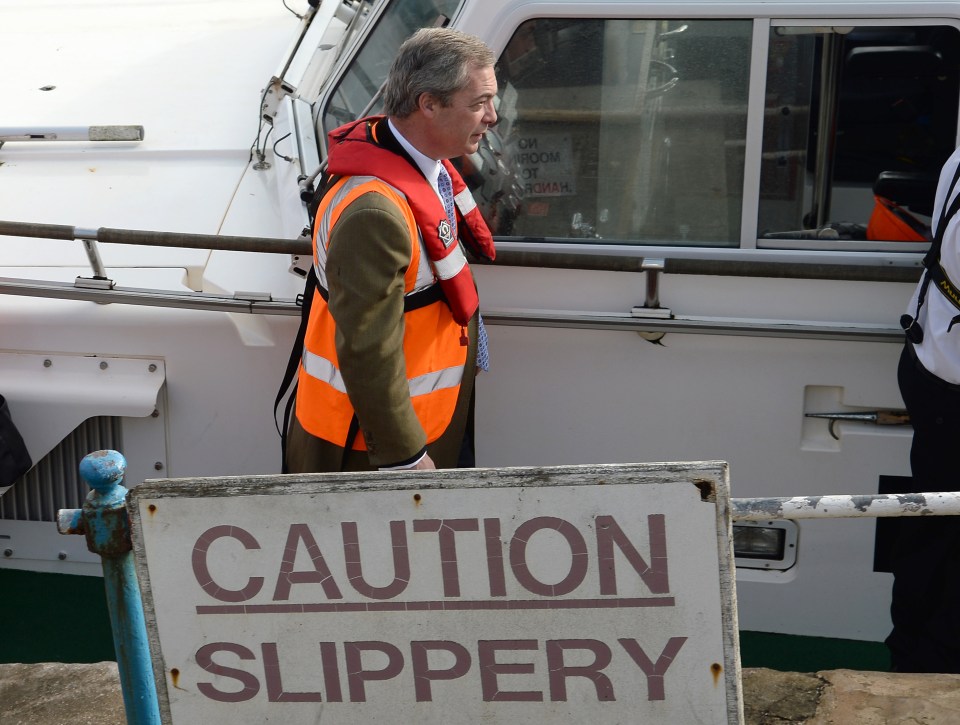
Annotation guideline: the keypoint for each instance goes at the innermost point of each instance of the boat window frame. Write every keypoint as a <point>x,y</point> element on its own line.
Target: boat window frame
<point>822,259</point>
<point>889,261</point>
<point>755,112</point>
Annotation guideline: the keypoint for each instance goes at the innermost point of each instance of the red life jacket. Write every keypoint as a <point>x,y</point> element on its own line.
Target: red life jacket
<point>355,151</point>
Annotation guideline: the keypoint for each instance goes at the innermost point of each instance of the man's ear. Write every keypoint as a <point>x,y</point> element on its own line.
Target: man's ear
<point>428,104</point>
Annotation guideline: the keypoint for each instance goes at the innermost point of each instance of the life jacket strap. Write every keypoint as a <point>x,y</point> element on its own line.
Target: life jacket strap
<point>411,302</point>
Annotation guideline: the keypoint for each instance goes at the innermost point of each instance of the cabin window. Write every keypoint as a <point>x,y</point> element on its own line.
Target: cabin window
<point>625,131</point>
<point>646,133</point>
<point>635,132</point>
<point>852,114</point>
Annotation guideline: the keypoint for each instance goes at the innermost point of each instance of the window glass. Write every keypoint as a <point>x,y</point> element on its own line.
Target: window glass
<point>366,74</point>
<point>625,131</point>
<point>858,122</point>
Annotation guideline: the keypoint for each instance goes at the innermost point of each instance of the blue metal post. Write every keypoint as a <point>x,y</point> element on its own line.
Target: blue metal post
<point>103,520</point>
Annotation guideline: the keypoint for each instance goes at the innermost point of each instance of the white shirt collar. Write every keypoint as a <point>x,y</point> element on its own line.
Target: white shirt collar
<point>429,167</point>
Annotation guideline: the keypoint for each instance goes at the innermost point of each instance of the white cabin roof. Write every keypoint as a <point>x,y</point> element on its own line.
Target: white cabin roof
<point>191,73</point>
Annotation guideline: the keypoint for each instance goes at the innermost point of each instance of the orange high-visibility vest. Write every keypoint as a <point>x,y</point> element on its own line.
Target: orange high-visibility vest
<point>432,346</point>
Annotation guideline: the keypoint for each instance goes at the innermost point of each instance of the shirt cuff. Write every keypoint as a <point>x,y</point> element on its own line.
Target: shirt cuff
<point>407,464</point>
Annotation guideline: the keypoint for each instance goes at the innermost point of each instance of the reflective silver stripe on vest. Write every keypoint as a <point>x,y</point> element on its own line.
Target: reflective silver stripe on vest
<point>465,202</point>
<point>439,380</point>
<point>450,265</point>
<point>325,371</point>
<point>425,274</point>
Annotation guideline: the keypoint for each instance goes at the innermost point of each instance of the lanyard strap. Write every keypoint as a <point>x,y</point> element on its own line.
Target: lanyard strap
<point>934,270</point>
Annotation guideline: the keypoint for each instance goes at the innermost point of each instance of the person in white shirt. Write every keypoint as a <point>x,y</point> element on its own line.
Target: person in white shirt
<point>926,593</point>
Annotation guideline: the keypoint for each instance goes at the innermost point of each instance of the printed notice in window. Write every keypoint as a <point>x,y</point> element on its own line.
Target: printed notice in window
<point>545,164</point>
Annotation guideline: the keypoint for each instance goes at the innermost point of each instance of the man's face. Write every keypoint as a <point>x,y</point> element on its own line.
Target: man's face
<point>456,129</point>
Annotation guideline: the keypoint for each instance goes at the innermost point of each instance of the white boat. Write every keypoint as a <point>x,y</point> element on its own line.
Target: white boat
<point>680,194</point>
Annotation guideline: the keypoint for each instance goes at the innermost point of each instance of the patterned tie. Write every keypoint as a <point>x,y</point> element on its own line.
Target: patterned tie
<point>445,186</point>
<point>446,195</point>
<point>483,353</point>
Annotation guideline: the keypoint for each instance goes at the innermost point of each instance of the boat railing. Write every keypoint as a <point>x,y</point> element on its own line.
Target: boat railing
<point>648,319</point>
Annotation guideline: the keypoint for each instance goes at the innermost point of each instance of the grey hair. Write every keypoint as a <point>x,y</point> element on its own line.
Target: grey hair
<point>437,61</point>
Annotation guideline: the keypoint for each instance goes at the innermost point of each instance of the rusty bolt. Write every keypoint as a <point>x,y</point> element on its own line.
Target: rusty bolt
<point>8,553</point>
<point>104,365</point>
<point>152,368</point>
<point>158,466</point>
<point>62,555</point>
<point>47,363</point>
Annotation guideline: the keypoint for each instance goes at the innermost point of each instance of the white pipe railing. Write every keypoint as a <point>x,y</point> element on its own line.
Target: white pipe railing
<point>946,503</point>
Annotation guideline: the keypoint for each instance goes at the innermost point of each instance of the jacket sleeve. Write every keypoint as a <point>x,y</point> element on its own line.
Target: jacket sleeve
<point>369,253</point>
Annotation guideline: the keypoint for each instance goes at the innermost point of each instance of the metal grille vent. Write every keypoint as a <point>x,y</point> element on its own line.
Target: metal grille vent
<point>54,483</point>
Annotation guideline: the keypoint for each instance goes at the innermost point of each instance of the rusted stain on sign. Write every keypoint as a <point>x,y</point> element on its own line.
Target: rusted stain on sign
<point>574,594</point>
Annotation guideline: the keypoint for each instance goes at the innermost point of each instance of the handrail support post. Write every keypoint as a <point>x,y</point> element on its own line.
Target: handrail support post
<point>103,521</point>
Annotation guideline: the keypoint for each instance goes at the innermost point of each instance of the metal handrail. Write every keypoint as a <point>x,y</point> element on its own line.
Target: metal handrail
<point>945,503</point>
<point>260,303</point>
<point>107,235</point>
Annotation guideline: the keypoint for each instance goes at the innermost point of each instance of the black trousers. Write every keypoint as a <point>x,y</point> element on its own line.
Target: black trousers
<point>926,555</point>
